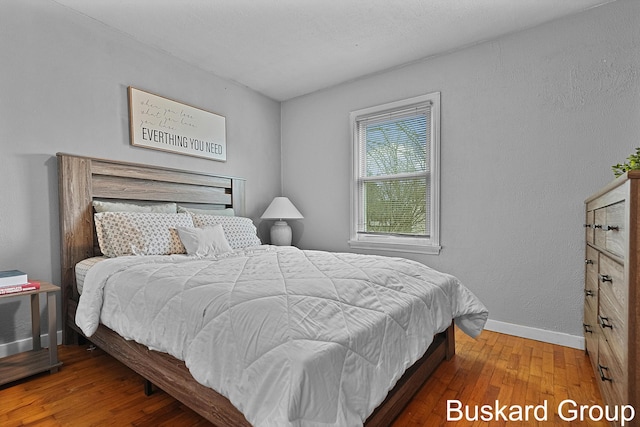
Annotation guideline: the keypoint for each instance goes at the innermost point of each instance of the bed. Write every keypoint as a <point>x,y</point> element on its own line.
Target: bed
<point>83,180</point>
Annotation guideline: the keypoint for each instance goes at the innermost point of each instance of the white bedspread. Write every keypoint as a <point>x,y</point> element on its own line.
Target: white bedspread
<point>291,337</point>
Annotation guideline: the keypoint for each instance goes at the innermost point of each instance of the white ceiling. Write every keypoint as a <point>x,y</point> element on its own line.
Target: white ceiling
<point>287,48</point>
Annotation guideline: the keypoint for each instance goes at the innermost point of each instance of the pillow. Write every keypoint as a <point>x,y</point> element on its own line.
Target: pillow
<point>239,231</point>
<point>205,241</point>
<point>140,233</point>
<point>225,212</point>
<point>101,206</point>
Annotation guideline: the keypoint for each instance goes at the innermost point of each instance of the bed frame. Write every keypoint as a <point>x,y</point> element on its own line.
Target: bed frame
<point>83,179</point>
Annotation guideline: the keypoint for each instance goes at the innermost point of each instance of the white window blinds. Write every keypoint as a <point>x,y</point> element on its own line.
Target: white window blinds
<point>393,177</point>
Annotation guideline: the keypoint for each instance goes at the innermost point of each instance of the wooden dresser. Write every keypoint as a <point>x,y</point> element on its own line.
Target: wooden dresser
<point>612,283</point>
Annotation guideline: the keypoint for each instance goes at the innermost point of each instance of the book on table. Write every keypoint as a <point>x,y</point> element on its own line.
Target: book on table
<point>25,287</point>
<point>12,278</point>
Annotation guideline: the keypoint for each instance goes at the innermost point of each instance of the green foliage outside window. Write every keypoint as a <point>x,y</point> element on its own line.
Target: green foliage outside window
<point>396,154</point>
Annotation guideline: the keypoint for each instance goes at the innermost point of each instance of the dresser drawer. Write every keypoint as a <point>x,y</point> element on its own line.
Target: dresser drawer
<point>612,283</point>
<point>588,226</point>
<point>614,229</point>
<point>611,375</point>
<point>609,228</point>
<point>590,320</point>
<point>600,217</point>
<point>591,272</point>
<point>591,329</point>
<point>613,327</point>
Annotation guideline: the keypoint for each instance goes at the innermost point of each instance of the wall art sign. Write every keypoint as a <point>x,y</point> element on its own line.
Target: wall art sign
<point>163,124</point>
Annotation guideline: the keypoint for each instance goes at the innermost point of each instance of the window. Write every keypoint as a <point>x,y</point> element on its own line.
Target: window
<point>395,188</point>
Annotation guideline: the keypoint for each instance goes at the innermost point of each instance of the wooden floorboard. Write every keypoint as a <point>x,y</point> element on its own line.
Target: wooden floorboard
<point>511,370</point>
<point>93,389</point>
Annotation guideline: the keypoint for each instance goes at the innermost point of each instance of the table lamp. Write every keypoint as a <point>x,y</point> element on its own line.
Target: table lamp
<point>280,209</point>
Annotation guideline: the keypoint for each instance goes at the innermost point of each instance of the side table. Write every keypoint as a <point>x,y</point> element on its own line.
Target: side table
<point>38,359</point>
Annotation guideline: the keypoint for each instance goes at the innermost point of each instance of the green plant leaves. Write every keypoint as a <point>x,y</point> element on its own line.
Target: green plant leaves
<point>632,163</point>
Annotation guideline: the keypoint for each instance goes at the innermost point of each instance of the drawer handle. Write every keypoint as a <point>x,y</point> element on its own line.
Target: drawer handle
<point>596,226</point>
<point>605,278</point>
<point>610,227</point>
<point>587,328</point>
<point>588,261</point>
<point>601,370</point>
<point>589,293</point>
<point>604,322</point>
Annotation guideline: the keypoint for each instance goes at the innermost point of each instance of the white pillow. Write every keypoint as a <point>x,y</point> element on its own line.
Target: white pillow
<point>239,231</point>
<point>101,206</point>
<point>205,241</point>
<point>225,212</point>
<point>136,233</point>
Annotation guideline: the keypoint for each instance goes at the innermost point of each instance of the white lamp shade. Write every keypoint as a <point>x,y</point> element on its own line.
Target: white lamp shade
<point>281,208</point>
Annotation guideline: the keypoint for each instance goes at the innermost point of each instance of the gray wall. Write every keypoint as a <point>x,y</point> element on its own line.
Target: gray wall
<point>531,124</point>
<point>63,88</point>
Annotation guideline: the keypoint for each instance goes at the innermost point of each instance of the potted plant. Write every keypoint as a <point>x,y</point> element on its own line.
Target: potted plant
<point>633,162</point>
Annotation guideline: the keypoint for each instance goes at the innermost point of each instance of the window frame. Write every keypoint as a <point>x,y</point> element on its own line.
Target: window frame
<point>389,242</point>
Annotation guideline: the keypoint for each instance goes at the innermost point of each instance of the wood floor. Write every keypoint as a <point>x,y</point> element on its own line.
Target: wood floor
<point>511,370</point>
<point>92,389</point>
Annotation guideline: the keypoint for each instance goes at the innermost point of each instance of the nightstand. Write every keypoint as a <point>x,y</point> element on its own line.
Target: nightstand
<point>38,359</point>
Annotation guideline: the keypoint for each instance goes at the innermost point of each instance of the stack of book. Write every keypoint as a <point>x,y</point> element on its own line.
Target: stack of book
<point>12,281</point>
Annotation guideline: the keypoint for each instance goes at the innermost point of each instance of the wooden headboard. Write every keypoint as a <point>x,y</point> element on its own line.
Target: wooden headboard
<point>83,179</point>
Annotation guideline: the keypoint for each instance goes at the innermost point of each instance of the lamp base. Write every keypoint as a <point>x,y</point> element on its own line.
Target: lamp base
<point>281,234</point>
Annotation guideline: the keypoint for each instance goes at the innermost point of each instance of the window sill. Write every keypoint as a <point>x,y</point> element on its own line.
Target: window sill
<point>395,246</point>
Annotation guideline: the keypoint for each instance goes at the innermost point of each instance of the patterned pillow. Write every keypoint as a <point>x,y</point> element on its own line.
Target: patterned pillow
<point>136,233</point>
<point>240,231</point>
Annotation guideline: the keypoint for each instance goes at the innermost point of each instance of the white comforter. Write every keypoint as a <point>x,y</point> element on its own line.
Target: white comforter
<point>291,337</point>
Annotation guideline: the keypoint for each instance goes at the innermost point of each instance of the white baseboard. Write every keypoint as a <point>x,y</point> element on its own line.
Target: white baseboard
<point>26,345</point>
<point>543,335</point>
